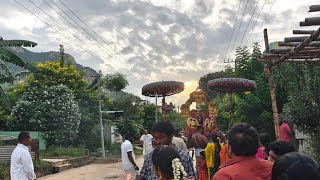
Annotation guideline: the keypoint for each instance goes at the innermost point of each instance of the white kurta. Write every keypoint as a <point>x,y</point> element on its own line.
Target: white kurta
<point>21,166</point>
<point>147,143</point>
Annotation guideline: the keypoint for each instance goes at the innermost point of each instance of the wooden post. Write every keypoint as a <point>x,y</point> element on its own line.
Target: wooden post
<point>273,101</point>
<point>268,71</point>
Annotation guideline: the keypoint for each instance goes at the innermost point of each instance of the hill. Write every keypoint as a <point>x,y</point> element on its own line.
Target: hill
<point>41,57</point>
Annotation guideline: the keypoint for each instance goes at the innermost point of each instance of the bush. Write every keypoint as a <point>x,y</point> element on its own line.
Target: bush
<point>63,152</point>
<point>42,166</point>
<point>113,149</point>
<point>4,170</point>
<point>52,110</point>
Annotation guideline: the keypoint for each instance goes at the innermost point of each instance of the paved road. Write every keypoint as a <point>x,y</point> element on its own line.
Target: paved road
<point>92,172</point>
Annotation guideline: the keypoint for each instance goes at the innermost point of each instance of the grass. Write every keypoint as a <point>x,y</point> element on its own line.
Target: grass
<point>63,152</point>
<point>138,151</point>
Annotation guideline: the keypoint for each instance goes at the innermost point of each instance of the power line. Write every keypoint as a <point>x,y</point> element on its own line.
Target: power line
<point>265,18</point>
<point>249,22</point>
<point>66,28</point>
<point>239,26</point>
<point>102,46</point>
<point>254,27</point>
<point>106,43</point>
<point>233,30</point>
<point>56,30</point>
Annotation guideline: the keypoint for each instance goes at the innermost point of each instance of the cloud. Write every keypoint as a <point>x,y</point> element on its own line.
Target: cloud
<point>148,40</point>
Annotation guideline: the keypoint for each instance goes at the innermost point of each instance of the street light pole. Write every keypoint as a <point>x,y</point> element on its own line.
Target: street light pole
<point>100,114</point>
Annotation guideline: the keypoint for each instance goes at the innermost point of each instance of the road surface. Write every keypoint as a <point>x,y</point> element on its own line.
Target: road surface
<point>92,172</point>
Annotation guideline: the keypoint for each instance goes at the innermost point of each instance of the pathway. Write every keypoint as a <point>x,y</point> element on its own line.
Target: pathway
<point>92,172</point>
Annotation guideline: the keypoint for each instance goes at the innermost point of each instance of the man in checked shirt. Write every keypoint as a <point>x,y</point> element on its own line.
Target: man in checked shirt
<point>163,133</point>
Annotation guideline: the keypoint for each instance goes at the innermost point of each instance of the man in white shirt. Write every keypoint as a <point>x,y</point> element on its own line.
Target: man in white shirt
<point>128,158</point>
<point>146,140</point>
<point>21,166</point>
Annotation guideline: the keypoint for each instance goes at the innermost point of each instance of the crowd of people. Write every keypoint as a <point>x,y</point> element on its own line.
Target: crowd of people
<point>241,154</point>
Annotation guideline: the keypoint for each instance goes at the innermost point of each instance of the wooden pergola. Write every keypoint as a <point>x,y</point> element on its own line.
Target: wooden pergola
<point>298,49</point>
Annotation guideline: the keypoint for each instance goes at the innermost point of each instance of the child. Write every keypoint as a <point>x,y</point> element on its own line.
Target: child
<point>202,174</point>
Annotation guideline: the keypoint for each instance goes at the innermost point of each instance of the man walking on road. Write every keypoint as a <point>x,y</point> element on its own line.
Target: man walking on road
<point>146,140</point>
<point>21,166</point>
<point>128,158</point>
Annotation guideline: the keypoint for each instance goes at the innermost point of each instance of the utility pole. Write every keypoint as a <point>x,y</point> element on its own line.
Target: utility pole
<point>100,115</point>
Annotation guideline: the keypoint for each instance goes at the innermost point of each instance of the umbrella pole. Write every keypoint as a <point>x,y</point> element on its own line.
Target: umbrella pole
<point>156,108</point>
<point>164,108</point>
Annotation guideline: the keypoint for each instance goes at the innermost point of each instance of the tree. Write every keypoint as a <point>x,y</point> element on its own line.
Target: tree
<point>51,110</point>
<point>7,76</point>
<point>115,82</point>
<point>149,111</point>
<point>302,85</point>
<point>203,83</point>
<point>53,74</point>
<point>254,107</point>
<point>177,121</point>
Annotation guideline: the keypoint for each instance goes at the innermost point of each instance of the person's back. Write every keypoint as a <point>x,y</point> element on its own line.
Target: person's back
<point>251,168</point>
<point>244,165</point>
<point>128,158</point>
<point>125,147</point>
<point>284,132</point>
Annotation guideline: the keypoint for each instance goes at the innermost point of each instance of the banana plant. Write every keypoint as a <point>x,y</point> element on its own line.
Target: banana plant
<point>7,56</point>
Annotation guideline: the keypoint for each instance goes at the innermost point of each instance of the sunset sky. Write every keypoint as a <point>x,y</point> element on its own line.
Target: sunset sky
<point>151,40</point>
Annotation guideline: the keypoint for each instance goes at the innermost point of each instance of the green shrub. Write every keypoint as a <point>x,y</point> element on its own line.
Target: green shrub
<point>4,170</point>
<point>113,149</point>
<point>42,166</point>
<point>63,152</point>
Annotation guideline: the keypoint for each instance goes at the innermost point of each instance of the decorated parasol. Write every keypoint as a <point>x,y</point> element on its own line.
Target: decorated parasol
<point>231,85</point>
<point>162,89</point>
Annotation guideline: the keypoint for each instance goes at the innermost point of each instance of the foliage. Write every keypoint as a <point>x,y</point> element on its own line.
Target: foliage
<point>302,85</point>
<point>149,112</point>
<point>6,58</point>
<point>132,117</point>
<point>63,152</point>
<point>52,110</point>
<point>176,120</point>
<point>89,135</point>
<point>127,125</point>
<point>255,107</point>
<point>4,170</point>
<point>115,82</point>
<point>113,149</point>
<point>42,166</point>
<point>203,83</point>
<point>53,74</point>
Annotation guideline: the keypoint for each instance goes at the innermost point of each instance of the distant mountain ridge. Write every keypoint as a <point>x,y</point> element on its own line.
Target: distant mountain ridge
<point>42,57</point>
